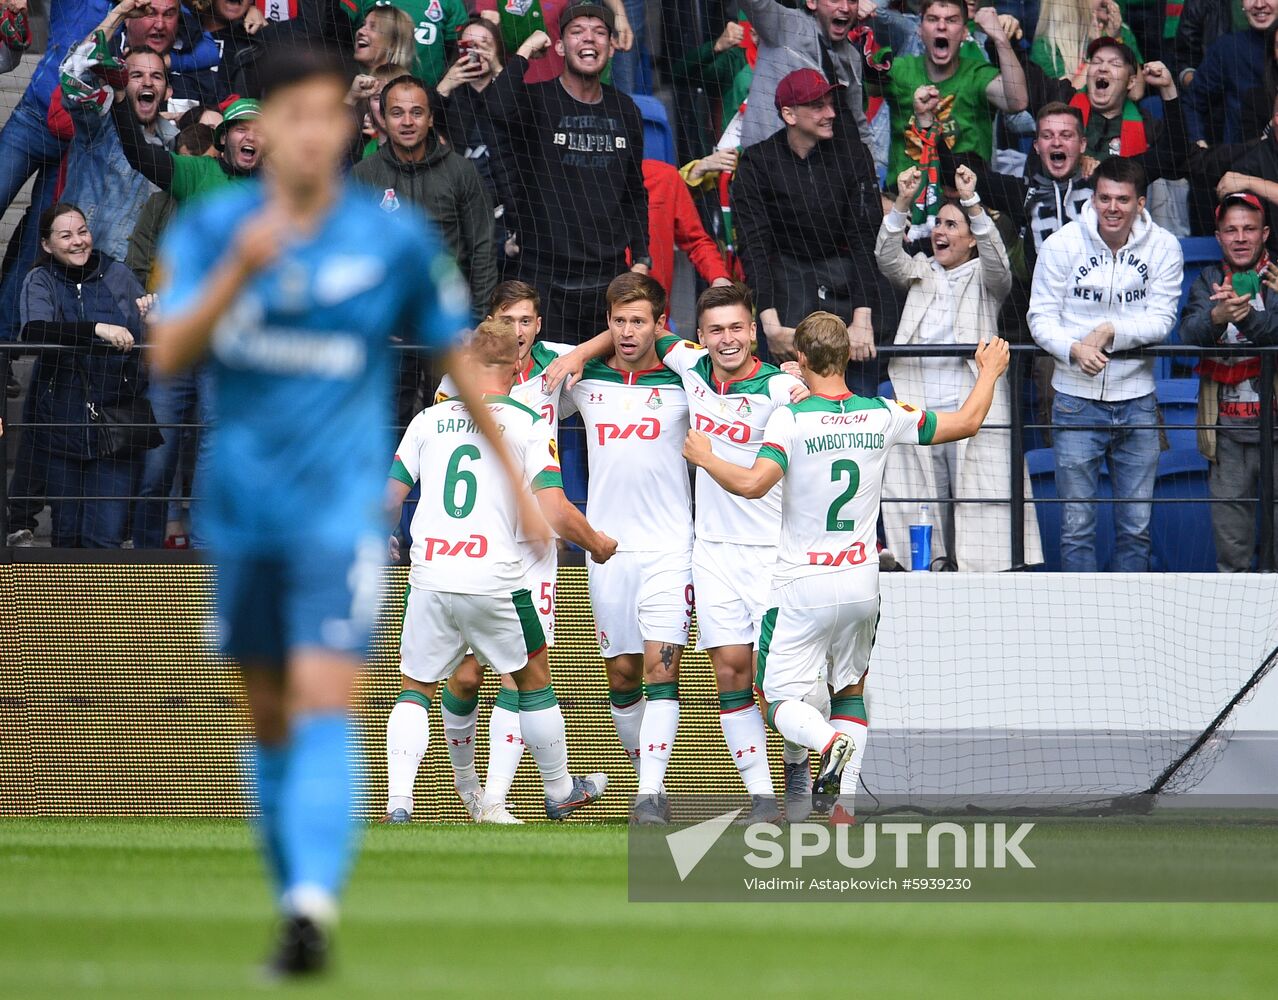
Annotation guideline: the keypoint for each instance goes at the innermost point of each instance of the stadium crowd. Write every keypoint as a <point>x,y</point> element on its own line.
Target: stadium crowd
<point>931,171</point>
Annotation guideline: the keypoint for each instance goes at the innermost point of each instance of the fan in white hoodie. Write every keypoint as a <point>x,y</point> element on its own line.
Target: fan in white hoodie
<point>1104,284</point>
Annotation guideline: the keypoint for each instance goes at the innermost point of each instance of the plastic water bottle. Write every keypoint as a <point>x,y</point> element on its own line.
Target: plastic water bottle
<point>921,541</point>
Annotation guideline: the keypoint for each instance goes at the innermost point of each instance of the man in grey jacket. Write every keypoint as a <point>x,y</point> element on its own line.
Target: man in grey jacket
<point>415,166</point>
<point>813,38</point>
<point>1229,303</point>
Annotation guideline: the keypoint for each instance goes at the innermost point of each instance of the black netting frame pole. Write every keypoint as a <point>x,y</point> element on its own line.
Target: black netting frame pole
<point>1017,450</point>
<point>1267,461</point>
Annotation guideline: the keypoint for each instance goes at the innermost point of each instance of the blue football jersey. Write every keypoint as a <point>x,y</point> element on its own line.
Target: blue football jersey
<point>302,364</point>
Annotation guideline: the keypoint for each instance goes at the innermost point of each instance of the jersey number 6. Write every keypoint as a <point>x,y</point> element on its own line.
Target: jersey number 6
<point>455,479</point>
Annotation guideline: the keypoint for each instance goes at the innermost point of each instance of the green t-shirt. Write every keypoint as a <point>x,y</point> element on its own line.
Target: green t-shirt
<point>965,114</point>
<point>435,22</point>
<point>198,175</point>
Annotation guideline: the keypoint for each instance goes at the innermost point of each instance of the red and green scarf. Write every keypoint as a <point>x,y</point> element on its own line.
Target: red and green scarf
<point>15,30</point>
<point>1231,371</point>
<point>1132,140</point>
<point>929,197</point>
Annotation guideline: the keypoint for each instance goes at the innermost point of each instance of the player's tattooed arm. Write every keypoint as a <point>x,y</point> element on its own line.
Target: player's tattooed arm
<point>750,483</point>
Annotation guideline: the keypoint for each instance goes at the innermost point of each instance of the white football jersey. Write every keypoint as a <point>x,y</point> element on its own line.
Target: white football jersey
<point>833,453</point>
<point>733,415</point>
<point>530,386</point>
<point>464,528</point>
<point>530,390</point>
<point>636,423</point>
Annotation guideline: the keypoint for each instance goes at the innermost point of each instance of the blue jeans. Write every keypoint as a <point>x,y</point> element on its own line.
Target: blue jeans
<point>1114,433</point>
<point>98,522</point>
<point>26,147</point>
<point>175,401</point>
<point>631,72</point>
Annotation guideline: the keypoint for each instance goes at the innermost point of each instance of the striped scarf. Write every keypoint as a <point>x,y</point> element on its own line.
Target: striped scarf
<point>1232,370</point>
<point>1132,140</point>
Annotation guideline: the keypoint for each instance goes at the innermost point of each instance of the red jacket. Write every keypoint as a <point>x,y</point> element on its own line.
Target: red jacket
<point>673,221</point>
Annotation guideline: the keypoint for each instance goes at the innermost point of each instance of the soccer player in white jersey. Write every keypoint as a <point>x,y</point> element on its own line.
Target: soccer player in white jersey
<point>831,450</point>
<point>519,303</point>
<point>636,416</point>
<point>467,581</point>
<point>731,394</point>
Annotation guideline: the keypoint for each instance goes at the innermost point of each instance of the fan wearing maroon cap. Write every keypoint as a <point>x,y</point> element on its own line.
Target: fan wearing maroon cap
<point>807,211</point>
<point>1231,303</point>
<point>817,35</point>
<point>1114,124</point>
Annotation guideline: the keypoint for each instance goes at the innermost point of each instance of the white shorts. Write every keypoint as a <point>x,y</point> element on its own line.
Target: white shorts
<point>732,583</point>
<point>817,627</point>
<point>440,628</point>
<point>640,597</point>
<point>541,576</point>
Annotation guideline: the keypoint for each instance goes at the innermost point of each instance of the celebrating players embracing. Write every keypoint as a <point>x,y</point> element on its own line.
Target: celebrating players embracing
<point>467,582</point>
<point>731,394</point>
<point>518,303</point>
<point>636,415</point>
<point>831,449</point>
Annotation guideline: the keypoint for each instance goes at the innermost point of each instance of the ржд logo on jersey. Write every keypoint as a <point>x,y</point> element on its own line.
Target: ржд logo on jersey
<point>474,547</point>
<point>735,431</point>
<point>853,555</point>
<point>648,429</point>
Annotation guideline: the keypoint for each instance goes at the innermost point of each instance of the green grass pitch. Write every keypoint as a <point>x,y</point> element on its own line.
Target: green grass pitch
<point>180,909</point>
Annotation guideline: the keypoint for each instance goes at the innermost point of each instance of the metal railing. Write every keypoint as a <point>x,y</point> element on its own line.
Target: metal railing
<point>1018,375</point>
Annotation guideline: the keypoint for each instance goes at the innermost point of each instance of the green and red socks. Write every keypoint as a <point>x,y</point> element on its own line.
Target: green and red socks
<point>459,715</point>
<point>407,737</point>
<point>505,742</point>
<point>848,715</point>
<point>657,736</point>
<point>747,741</point>
<point>542,725</point>
<point>627,708</point>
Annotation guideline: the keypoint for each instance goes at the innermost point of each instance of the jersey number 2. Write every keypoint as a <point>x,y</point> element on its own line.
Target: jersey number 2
<point>834,519</point>
<point>456,481</point>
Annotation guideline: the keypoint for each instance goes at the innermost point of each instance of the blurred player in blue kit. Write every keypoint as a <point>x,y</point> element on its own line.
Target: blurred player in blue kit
<point>294,287</point>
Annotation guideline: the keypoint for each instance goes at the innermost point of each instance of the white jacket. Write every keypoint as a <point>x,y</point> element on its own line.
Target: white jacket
<point>1079,284</point>
<point>982,531</point>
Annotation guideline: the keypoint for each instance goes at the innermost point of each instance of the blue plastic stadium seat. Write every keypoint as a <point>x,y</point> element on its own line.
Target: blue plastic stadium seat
<point>1181,529</point>
<point>886,391</point>
<point>1197,250</point>
<point>658,137</point>
<point>1178,401</point>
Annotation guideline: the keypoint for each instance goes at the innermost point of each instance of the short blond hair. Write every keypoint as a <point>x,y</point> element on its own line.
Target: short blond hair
<point>822,338</point>
<point>495,343</point>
